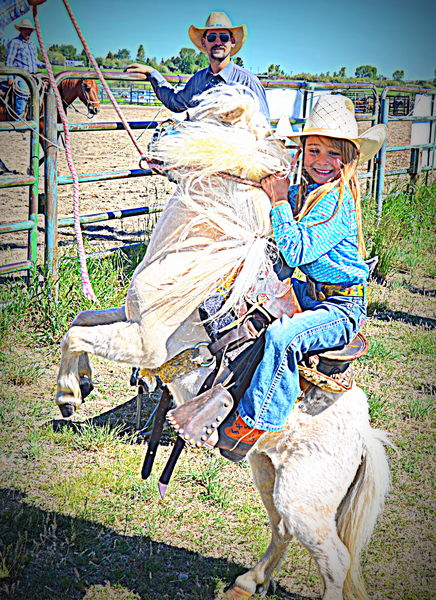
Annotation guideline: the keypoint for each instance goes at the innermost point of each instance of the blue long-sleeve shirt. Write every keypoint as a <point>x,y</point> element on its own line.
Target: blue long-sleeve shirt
<point>327,252</point>
<point>202,80</point>
<point>22,54</point>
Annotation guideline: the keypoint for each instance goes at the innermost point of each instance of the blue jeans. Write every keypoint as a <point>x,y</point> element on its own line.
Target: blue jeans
<point>274,387</point>
<point>21,98</point>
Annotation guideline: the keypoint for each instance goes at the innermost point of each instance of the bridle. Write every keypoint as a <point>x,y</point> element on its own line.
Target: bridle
<point>90,104</point>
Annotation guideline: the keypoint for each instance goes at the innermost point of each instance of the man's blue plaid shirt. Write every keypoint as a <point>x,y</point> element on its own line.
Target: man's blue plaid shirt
<point>22,54</point>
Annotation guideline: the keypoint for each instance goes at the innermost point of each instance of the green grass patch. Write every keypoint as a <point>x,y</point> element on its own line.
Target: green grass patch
<point>404,235</point>
<point>41,312</point>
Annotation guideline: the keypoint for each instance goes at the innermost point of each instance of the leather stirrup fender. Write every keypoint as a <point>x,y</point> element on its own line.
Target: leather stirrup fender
<point>196,420</point>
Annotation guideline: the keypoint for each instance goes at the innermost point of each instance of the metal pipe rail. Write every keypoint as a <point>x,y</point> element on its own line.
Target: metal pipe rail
<point>31,181</point>
<point>384,118</point>
<point>53,180</point>
<point>374,175</point>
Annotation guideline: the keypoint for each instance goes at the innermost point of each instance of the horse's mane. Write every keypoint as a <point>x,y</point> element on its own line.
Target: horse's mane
<point>225,222</point>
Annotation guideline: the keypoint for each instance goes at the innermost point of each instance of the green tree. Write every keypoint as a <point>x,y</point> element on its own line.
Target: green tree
<point>342,72</point>
<point>83,56</point>
<point>123,53</point>
<point>187,64</point>
<point>238,61</point>
<point>110,56</point>
<point>2,53</point>
<point>201,61</point>
<point>69,51</point>
<point>275,71</point>
<point>56,58</point>
<point>187,52</point>
<point>366,71</point>
<point>170,65</point>
<point>398,75</point>
<point>140,55</point>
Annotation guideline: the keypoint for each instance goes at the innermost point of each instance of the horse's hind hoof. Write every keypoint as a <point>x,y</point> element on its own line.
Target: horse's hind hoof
<point>86,386</point>
<point>67,409</point>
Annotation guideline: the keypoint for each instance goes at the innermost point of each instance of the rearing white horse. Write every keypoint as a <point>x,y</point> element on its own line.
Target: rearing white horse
<point>324,478</point>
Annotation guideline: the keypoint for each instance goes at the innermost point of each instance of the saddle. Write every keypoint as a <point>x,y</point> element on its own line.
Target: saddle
<point>238,349</point>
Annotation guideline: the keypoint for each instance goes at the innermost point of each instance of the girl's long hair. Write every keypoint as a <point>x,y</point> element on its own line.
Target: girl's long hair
<point>306,202</point>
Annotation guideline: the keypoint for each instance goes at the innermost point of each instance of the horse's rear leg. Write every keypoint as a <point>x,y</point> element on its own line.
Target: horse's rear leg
<point>331,555</point>
<point>258,578</point>
<point>309,491</point>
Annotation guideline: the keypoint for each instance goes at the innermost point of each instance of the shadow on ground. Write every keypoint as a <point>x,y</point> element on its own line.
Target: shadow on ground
<point>51,556</point>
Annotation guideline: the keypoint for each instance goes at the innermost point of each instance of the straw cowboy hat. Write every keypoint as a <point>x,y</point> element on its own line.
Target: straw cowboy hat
<point>25,24</point>
<point>333,116</point>
<point>219,20</point>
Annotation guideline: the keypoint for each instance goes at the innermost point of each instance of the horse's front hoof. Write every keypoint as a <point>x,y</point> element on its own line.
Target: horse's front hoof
<point>67,409</point>
<point>86,386</point>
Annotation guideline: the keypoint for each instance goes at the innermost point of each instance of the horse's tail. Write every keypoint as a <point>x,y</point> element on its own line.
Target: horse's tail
<point>362,504</point>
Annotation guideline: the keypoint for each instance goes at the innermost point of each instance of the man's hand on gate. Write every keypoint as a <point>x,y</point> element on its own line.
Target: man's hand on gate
<point>138,68</point>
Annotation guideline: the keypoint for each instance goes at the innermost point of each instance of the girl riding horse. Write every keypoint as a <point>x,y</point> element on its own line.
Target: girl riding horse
<point>317,227</point>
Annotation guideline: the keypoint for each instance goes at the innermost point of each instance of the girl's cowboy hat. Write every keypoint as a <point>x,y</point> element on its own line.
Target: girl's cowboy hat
<point>333,116</point>
<point>219,20</point>
<point>25,24</point>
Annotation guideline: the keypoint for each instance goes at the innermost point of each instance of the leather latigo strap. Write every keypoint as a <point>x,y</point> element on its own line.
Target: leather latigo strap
<point>196,420</point>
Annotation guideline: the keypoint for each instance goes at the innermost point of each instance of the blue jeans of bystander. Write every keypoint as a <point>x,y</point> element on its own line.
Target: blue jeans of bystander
<point>21,97</point>
<point>329,323</point>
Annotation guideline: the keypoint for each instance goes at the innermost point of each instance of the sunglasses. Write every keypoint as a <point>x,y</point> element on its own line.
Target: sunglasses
<point>224,37</point>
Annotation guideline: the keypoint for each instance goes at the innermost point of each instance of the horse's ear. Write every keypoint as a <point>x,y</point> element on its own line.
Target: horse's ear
<point>232,116</point>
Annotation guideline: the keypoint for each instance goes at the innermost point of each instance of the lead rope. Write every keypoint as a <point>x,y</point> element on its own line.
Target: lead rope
<point>86,283</point>
<point>102,79</point>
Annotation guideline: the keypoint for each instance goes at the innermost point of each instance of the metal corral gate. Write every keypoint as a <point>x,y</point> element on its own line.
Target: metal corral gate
<point>31,179</point>
<point>375,173</point>
<point>53,180</point>
<point>422,152</point>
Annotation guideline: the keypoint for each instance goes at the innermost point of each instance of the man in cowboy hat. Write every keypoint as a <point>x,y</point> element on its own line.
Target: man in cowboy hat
<point>219,39</point>
<point>21,52</point>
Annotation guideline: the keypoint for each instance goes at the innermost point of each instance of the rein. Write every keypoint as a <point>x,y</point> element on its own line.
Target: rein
<point>158,168</point>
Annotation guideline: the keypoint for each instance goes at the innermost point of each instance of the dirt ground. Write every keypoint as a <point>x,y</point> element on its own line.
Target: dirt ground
<point>109,151</point>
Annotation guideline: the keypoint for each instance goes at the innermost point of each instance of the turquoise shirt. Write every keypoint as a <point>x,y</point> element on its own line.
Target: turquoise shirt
<point>324,251</point>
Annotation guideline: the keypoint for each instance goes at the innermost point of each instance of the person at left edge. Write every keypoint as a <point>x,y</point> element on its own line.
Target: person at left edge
<point>21,52</point>
<point>219,39</point>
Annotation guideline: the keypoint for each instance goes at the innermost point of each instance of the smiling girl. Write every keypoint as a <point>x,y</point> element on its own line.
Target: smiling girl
<point>317,227</point>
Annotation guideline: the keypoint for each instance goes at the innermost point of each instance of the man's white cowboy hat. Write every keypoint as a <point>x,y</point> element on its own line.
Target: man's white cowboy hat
<point>219,20</point>
<point>25,24</point>
<point>333,116</point>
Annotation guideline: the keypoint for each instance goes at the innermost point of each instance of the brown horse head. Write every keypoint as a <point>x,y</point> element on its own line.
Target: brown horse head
<point>84,89</point>
<point>89,96</point>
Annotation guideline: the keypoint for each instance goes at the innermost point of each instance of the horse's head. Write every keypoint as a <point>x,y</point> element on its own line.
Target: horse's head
<point>89,96</point>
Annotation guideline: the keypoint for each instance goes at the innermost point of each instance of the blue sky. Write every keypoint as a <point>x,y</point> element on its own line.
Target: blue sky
<point>311,36</point>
